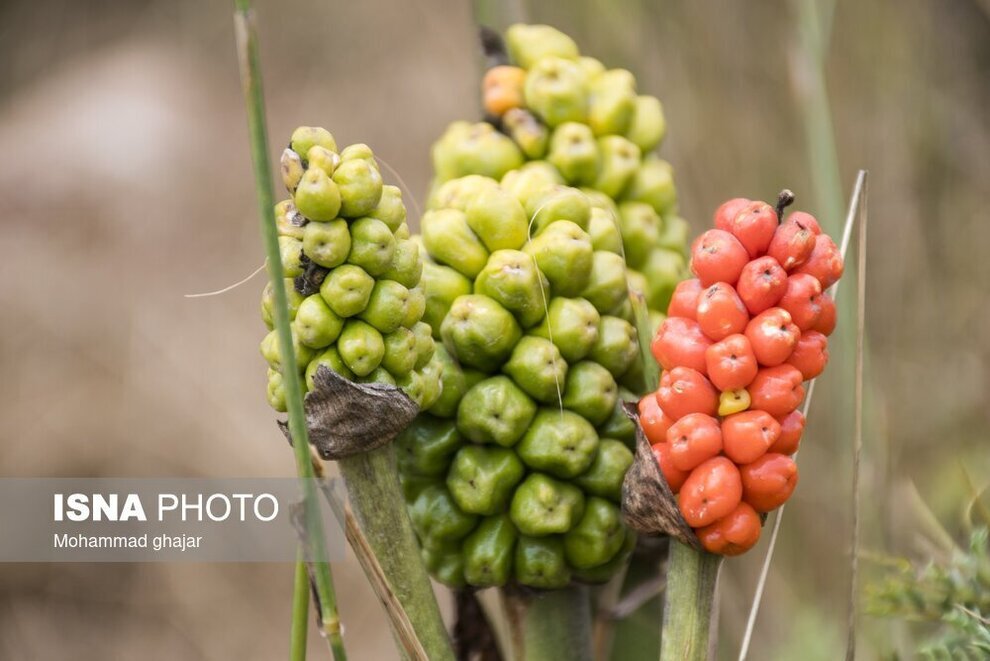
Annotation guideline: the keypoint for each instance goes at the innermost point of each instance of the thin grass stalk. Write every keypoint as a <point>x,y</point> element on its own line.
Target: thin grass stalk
<point>300,610</point>
<point>851,216</point>
<point>254,101</point>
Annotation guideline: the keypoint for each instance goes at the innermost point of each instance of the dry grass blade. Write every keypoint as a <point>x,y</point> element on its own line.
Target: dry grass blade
<point>856,208</point>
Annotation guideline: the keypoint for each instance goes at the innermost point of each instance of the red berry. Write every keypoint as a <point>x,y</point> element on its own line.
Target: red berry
<point>825,262</point>
<point>769,481</point>
<point>826,320</point>
<point>674,477</point>
<point>731,363</point>
<point>792,243</point>
<point>711,491</point>
<point>776,390</point>
<point>773,336</point>
<point>716,256</point>
<point>803,300</point>
<point>806,219</point>
<point>679,342</point>
<point>653,420</point>
<point>810,355</point>
<point>754,226</point>
<point>748,435</point>
<point>791,428</point>
<point>684,390</point>
<point>761,284</point>
<point>726,213</point>
<point>684,302</point>
<point>693,439</point>
<point>721,312</point>
<point>733,534</point>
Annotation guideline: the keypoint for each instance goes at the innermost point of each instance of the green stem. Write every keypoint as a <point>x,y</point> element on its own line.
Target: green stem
<point>373,487</point>
<point>254,101</point>
<point>300,610</point>
<point>692,577</point>
<point>636,636</point>
<point>547,626</point>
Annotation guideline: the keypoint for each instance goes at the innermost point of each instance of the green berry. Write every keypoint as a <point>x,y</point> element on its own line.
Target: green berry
<point>291,252</point>
<point>406,267</point>
<point>571,324</point>
<point>620,161</point>
<point>457,193</point>
<point>288,220</point>
<point>327,243</point>
<point>360,187</point>
<point>449,240</point>
<point>455,382</point>
<point>323,158</point>
<point>291,169</point>
<point>495,411</point>
<point>330,357</point>
<point>604,231</point>
<point>361,347</point>
<point>372,246</point>
<point>390,209</point>
<point>488,552</point>
<point>443,285</point>
<point>663,270</point>
<point>607,286</point>
<point>497,219</point>
<point>561,443</point>
<point>538,368</point>
<point>386,309</point>
<point>597,537</point>
<point>675,233</point>
<point>529,181</point>
<point>564,255</point>
<point>268,302</point>
<point>529,44</point>
<point>446,564</point>
<point>378,375</point>
<point>540,563</point>
<point>482,478</point>
<point>605,475</point>
<point>317,196</point>
<point>556,90</point>
<point>648,126</point>
<point>400,352</point>
<point>512,279</point>
<point>617,346</point>
<point>415,307</point>
<point>305,137</point>
<point>558,203</point>
<point>316,324</point>
<point>431,375</point>
<point>346,289</point>
<point>590,392</point>
<point>612,102</point>
<point>437,519</point>
<point>574,151</point>
<point>529,133</point>
<point>271,351</point>
<point>640,231</point>
<point>543,505</point>
<point>359,152</point>
<point>427,446</point>
<point>479,332</point>
<point>275,392</point>
<point>413,385</point>
<point>425,345</point>
<point>653,183</point>
<point>479,149</point>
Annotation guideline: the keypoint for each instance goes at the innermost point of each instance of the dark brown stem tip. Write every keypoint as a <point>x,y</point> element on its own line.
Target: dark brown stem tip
<point>784,200</point>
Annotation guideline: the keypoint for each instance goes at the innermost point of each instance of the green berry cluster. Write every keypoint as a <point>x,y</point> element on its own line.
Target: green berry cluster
<point>557,117</point>
<point>353,274</point>
<point>514,474</point>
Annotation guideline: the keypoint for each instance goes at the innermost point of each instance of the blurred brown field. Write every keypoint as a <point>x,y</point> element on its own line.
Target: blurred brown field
<point>125,182</point>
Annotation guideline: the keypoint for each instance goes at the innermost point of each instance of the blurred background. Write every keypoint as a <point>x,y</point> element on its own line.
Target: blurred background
<point>125,182</point>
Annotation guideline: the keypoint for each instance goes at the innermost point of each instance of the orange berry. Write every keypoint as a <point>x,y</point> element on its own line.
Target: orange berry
<point>776,390</point>
<point>503,89</point>
<point>728,211</point>
<point>653,420</point>
<point>674,476</point>
<point>721,312</point>
<point>791,428</point>
<point>711,491</point>
<point>731,363</point>
<point>748,435</point>
<point>769,481</point>
<point>803,300</point>
<point>826,320</point>
<point>684,390</point>
<point>733,534</point>
<point>810,354</point>
<point>684,302</point>
<point>773,336</point>
<point>761,284</point>
<point>693,439</point>
<point>825,262</point>
<point>679,342</point>
<point>793,242</point>
<point>754,226</point>
<point>717,256</point>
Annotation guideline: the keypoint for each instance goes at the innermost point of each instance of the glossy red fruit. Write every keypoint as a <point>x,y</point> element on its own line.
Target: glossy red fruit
<point>754,226</point>
<point>748,435</point>
<point>791,429</point>
<point>810,355</point>
<point>683,391</point>
<point>717,256</point>
<point>825,262</point>
<point>679,342</point>
<point>776,390</point>
<point>721,312</point>
<point>806,219</point>
<point>733,534</point>
<point>731,363</point>
<point>792,243</point>
<point>761,284</point>
<point>826,320</point>
<point>773,336</point>
<point>674,477</point>
<point>693,439</point>
<point>653,420</point>
<point>711,491</point>
<point>728,211</point>
<point>803,300</point>
<point>769,481</point>
<point>684,302</point>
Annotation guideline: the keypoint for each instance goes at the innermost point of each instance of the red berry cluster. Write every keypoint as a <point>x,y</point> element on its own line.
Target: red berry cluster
<point>739,341</point>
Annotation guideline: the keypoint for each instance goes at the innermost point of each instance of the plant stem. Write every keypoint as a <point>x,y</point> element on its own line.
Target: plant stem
<point>636,635</point>
<point>692,577</point>
<point>373,487</point>
<point>254,101</point>
<point>547,626</point>
<point>300,610</point>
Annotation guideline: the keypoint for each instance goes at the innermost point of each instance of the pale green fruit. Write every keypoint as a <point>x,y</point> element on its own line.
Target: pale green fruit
<point>450,240</point>
<point>648,126</point>
<point>305,137</point>
<point>327,243</point>
<point>316,324</point>
<point>528,44</point>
